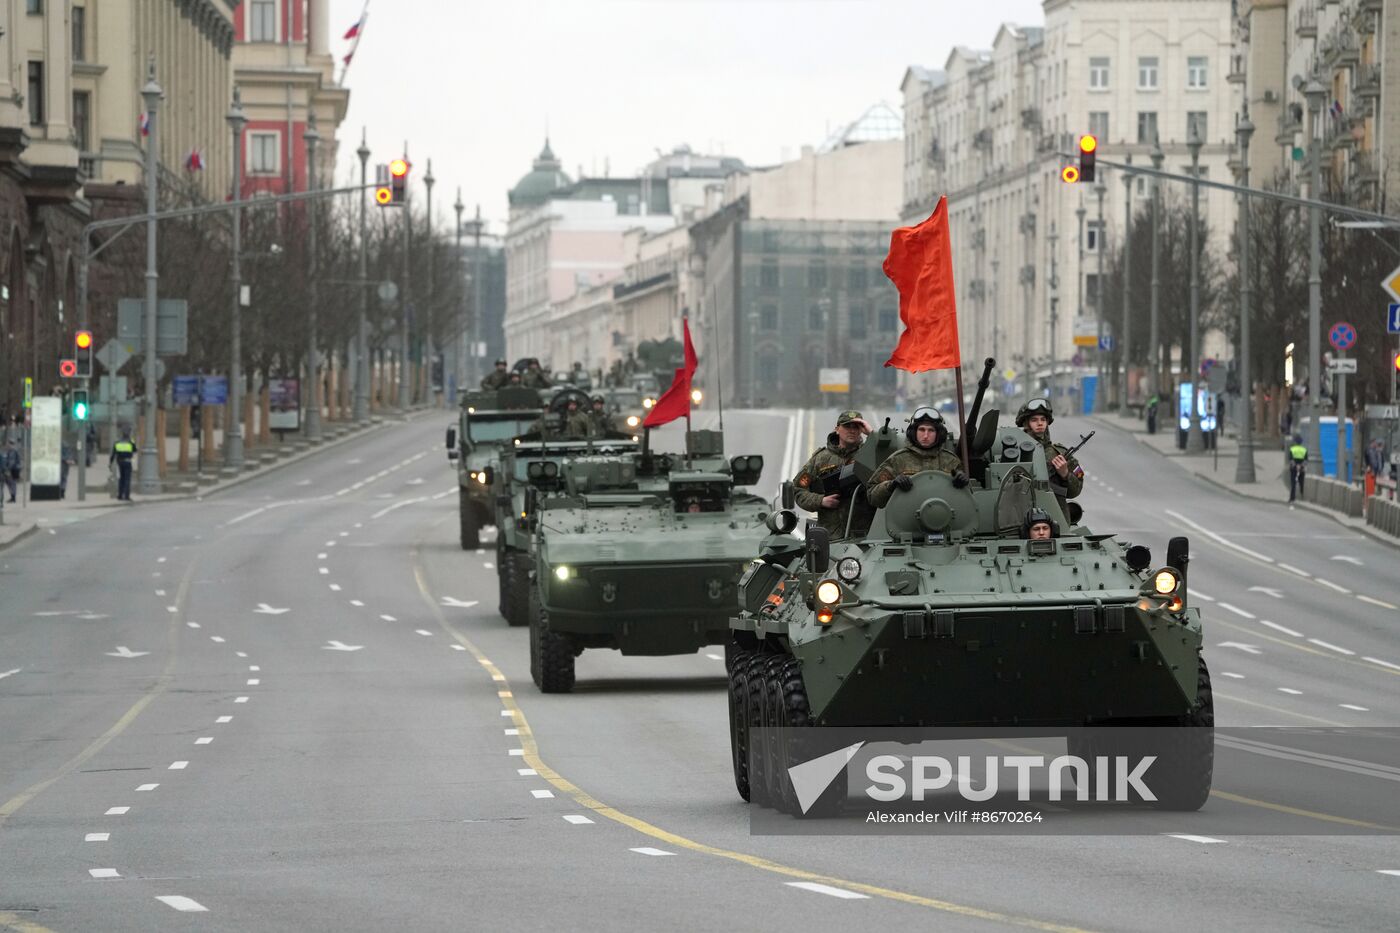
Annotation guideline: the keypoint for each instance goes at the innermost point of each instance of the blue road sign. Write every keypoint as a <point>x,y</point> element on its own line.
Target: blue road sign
<point>213,390</point>
<point>185,390</point>
<point>1392,320</point>
<point>1106,342</point>
<point>1342,336</point>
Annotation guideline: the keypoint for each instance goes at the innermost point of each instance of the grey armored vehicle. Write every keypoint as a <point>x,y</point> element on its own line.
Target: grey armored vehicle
<point>489,420</point>
<point>943,615</point>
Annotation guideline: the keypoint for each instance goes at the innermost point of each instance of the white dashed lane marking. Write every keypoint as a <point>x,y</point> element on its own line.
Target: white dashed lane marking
<point>827,890</point>
<point>117,811</point>
<point>97,837</point>
<point>541,794</point>
<point>1204,840</point>
<point>1291,569</point>
<point>576,819</point>
<point>1237,611</point>
<point>145,787</point>
<point>224,719</point>
<point>648,850</point>
<point>1394,667</point>
<point>103,873</point>
<point>240,699</point>
<point>1280,628</point>
<point>178,766</point>
<point>1232,675</point>
<point>1330,647</point>
<point>1359,709</point>
<point>204,740</point>
<point>1290,691</point>
<point>182,903</point>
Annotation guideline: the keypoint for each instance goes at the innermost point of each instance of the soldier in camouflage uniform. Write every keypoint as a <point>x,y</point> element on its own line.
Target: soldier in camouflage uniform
<point>599,424</point>
<point>498,378</point>
<point>927,433</point>
<point>534,377</point>
<point>1066,475</point>
<point>833,509</point>
<point>577,423</point>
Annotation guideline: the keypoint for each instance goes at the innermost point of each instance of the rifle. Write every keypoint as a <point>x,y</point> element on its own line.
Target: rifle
<point>1083,439</point>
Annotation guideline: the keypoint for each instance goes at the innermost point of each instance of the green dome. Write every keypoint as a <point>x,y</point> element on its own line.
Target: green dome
<point>545,177</point>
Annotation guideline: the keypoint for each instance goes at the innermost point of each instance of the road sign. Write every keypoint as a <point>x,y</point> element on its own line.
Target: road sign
<point>1106,342</point>
<point>1342,366</point>
<point>1391,283</point>
<point>28,392</point>
<point>185,390</point>
<point>1008,374</point>
<point>213,390</point>
<point>1392,318</point>
<point>113,355</point>
<point>1383,412</point>
<point>172,325</point>
<point>834,379</point>
<point>1086,332</point>
<point>1342,336</point>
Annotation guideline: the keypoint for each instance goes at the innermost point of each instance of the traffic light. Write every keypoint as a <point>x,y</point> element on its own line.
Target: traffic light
<point>383,196</point>
<point>398,180</point>
<point>1069,174</point>
<point>68,369</point>
<point>79,409</point>
<point>82,353</point>
<point>1088,150</point>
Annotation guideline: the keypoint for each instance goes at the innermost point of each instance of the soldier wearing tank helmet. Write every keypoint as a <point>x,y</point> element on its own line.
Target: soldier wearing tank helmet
<point>498,378</point>
<point>927,433</point>
<point>1066,475</point>
<point>833,508</point>
<point>1039,526</point>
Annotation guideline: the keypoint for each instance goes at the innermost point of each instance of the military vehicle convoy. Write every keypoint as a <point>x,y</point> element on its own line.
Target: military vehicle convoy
<point>944,615</point>
<point>640,553</point>
<point>489,419</point>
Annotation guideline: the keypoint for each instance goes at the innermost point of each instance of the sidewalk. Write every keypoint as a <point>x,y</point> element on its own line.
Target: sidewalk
<point>1218,467</point>
<point>22,521</point>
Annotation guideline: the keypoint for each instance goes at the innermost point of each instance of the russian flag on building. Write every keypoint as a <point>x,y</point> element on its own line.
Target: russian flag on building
<point>354,30</point>
<point>194,162</point>
<point>1336,107</point>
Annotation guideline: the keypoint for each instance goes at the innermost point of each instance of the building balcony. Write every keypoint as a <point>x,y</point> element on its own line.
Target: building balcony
<point>1365,167</point>
<point>1347,51</point>
<point>1366,81</point>
<point>87,165</point>
<point>1370,6</point>
<point>1237,70</point>
<point>1305,23</point>
<point>1289,125</point>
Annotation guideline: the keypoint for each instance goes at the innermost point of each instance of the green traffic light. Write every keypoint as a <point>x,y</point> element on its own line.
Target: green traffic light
<point>80,406</point>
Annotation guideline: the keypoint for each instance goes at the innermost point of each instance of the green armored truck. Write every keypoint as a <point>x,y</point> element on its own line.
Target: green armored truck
<point>641,554</point>
<point>946,614</point>
<point>489,419</point>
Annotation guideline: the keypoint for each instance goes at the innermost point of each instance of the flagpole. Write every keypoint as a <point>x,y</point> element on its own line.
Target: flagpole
<point>962,423</point>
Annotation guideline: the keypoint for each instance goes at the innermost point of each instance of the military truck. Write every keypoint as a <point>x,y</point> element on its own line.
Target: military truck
<point>641,554</point>
<point>489,418</point>
<point>944,615</point>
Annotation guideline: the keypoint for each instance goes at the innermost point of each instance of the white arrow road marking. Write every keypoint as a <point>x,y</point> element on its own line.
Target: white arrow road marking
<point>1347,558</point>
<point>1248,649</point>
<point>458,603</point>
<point>265,609</point>
<point>341,646</point>
<point>5,674</point>
<point>825,889</point>
<point>1388,871</point>
<point>1267,591</point>
<point>124,652</point>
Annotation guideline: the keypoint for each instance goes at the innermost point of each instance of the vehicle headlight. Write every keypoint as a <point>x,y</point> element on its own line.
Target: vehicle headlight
<point>480,477</point>
<point>848,569</point>
<point>471,410</point>
<point>829,592</point>
<point>648,402</point>
<point>633,421</point>
<point>696,395</point>
<point>563,572</point>
<point>1165,582</point>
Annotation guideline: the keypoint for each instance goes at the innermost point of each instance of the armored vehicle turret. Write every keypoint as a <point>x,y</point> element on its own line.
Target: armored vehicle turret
<point>946,615</point>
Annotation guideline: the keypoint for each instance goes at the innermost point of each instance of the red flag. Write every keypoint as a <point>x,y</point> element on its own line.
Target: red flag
<point>675,402</point>
<point>920,264</point>
<point>353,31</point>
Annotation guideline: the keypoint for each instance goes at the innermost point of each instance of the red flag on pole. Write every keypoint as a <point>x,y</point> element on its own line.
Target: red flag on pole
<point>920,263</point>
<point>675,402</point>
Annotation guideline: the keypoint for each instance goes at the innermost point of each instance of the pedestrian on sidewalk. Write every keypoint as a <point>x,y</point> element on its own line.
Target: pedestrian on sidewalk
<point>67,457</point>
<point>1297,468</point>
<point>11,461</point>
<point>122,452</point>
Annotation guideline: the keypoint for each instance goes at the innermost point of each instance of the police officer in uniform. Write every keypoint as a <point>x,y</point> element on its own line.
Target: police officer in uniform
<point>1297,468</point>
<point>1066,475</point>
<point>833,509</point>
<point>497,378</point>
<point>122,452</point>
<point>927,433</point>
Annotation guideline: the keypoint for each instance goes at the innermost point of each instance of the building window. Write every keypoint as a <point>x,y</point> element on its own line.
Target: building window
<point>1147,73</point>
<point>1098,124</point>
<point>1147,127</point>
<point>768,276</point>
<point>816,321</point>
<point>857,280</point>
<point>82,119</point>
<point>768,318</point>
<point>1091,237</point>
<point>262,21</point>
<point>79,23</point>
<point>1098,74</point>
<point>1196,125</point>
<point>36,93</point>
<point>263,154</point>
<point>889,320</point>
<point>1196,72</point>
<point>860,318</point>
<point>1091,290</point>
<point>816,275</point>
<point>33,6</point>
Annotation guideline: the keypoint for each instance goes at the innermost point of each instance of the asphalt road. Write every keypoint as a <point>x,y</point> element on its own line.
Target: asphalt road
<point>293,706</point>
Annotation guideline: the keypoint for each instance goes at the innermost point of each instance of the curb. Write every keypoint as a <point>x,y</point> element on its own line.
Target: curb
<point>25,533</point>
<point>1307,506</point>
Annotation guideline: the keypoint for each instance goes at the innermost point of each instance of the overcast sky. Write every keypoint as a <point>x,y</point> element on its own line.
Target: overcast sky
<point>473,85</point>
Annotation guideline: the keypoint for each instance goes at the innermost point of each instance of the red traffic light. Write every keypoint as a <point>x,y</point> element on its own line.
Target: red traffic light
<point>83,340</point>
<point>398,168</point>
<point>68,368</point>
<point>1069,174</point>
<point>383,195</point>
<point>1397,362</point>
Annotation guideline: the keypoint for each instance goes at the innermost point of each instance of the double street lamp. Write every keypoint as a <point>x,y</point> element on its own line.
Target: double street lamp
<point>233,431</point>
<point>1244,463</point>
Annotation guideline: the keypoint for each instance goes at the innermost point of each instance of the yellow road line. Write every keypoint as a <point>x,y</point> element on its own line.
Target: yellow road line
<point>1297,646</point>
<point>1280,710</point>
<point>17,923</point>
<point>1295,811</point>
<point>532,757</point>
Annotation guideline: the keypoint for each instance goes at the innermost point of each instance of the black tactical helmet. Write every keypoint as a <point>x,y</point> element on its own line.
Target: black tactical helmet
<point>500,362</point>
<point>599,400</point>
<point>1035,516</point>
<point>1036,406</point>
<point>932,416</point>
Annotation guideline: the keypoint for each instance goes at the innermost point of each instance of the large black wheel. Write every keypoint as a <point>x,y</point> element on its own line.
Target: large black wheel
<point>551,655</point>
<point>739,717</point>
<point>520,588</point>
<point>1190,758</point>
<point>471,523</point>
<point>505,580</point>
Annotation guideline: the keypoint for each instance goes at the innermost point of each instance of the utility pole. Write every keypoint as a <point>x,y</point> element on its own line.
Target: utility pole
<point>1314,91</point>
<point>1195,440</point>
<point>151,454</point>
<point>362,340</point>
<point>996,330</point>
<point>233,431</point>
<point>404,399</point>
<point>429,352</point>
<point>1100,289</point>
<point>313,369</point>
<point>1154,361</point>
<point>1125,333</point>
<point>1079,213</point>
<point>457,371</point>
<point>1053,293</point>
<point>1244,463</point>
<point>476,296</point>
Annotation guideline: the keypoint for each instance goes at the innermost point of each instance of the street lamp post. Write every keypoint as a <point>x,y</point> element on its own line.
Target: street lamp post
<point>476,295</point>
<point>404,399</point>
<point>1195,440</point>
<point>313,368</point>
<point>1079,275</point>
<point>1052,240</point>
<point>1153,334</point>
<point>429,353</point>
<point>1314,91</point>
<point>233,431</point>
<point>362,339</point>
<point>1100,247</point>
<point>457,369</point>
<point>149,464</point>
<point>1125,333</point>
<point>1244,463</point>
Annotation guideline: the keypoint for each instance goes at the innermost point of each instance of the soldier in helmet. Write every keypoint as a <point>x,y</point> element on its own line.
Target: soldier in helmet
<point>598,417</point>
<point>1039,526</point>
<point>577,423</point>
<point>535,377</point>
<point>1066,475</point>
<point>927,433</point>
<point>834,508</point>
<point>497,378</point>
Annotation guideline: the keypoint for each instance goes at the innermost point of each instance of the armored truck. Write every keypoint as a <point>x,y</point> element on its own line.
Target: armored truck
<point>945,615</point>
<point>489,419</point>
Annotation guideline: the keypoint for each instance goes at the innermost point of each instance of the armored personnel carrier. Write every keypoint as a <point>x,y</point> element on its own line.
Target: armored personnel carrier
<point>641,554</point>
<point>489,419</point>
<point>944,615</point>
